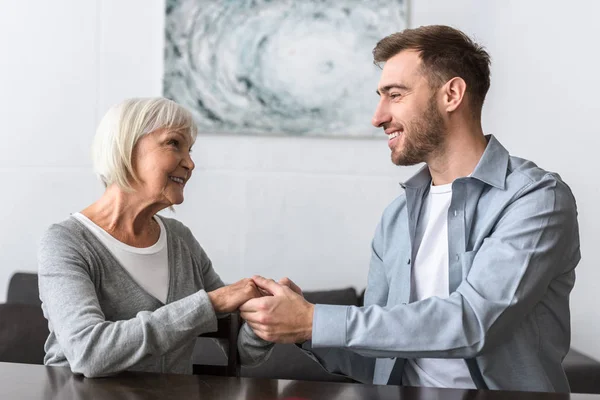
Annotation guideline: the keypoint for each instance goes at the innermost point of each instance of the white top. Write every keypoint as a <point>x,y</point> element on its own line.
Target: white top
<point>430,278</point>
<point>148,266</point>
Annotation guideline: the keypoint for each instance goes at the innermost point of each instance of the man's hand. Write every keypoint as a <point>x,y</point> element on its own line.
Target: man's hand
<point>228,298</point>
<point>289,283</point>
<point>283,317</point>
<point>284,282</point>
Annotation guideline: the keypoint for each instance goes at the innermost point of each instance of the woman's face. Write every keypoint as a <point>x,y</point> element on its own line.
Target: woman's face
<point>163,165</point>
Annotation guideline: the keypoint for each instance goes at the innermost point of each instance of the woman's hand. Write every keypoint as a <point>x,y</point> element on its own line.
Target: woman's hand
<point>229,298</point>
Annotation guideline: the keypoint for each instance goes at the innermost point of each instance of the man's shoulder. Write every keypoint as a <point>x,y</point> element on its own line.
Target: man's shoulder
<point>525,170</point>
<point>396,206</point>
<point>524,175</point>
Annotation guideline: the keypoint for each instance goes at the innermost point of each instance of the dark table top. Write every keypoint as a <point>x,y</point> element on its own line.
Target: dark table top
<point>24,382</point>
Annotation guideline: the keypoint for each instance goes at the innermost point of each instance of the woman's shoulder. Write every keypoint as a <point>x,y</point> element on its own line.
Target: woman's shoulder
<point>68,230</point>
<point>176,229</point>
<point>62,244</point>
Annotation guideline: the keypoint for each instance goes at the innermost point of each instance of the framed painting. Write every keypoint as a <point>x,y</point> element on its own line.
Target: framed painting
<point>284,67</point>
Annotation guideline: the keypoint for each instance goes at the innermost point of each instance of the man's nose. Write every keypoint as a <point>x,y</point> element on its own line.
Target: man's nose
<point>381,116</point>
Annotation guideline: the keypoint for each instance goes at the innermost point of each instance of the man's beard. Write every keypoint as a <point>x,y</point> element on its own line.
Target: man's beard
<point>422,136</point>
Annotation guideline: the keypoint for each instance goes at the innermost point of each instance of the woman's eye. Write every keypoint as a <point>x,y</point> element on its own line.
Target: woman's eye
<point>173,142</point>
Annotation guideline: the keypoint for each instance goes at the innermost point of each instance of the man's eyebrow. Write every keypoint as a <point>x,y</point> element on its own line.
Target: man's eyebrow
<point>387,88</point>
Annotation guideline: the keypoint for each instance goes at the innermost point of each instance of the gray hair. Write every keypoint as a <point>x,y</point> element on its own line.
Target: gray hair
<point>121,128</point>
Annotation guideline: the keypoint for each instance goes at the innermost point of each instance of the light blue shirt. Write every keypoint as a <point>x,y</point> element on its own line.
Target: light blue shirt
<point>513,243</point>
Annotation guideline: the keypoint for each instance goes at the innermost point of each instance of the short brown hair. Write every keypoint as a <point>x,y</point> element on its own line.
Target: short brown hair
<point>445,53</point>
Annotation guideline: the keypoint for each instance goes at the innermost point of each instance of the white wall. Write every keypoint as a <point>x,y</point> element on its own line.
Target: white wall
<point>48,101</point>
<point>305,208</point>
<point>544,105</point>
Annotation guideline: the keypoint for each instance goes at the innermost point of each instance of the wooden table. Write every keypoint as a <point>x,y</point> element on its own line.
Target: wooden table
<point>24,382</point>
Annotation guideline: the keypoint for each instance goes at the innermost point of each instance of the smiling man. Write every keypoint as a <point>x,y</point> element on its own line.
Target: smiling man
<point>472,265</point>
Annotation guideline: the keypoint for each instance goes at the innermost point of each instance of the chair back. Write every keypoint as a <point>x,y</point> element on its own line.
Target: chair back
<point>227,336</point>
<point>23,333</point>
<point>23,289</point>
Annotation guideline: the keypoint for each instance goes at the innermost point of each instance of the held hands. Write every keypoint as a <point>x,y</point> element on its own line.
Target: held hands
<point>284,282</point>
<point>228,298</point>
<point>289,283</point>
<point>282,316</point>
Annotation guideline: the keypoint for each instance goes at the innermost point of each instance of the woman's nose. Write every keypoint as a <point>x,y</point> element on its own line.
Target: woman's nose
<point>188,163</point>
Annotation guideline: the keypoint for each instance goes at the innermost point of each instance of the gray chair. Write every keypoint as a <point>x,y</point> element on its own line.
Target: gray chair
<point>23,332</point>
<point>23,328</point>
<point>227,334</point>
<point>23,289</point>
<point>582,372</point>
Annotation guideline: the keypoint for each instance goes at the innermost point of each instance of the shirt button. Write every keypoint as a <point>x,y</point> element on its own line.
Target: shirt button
<point>457,257</point>
<point>455,213</point>
<point>408,261</point>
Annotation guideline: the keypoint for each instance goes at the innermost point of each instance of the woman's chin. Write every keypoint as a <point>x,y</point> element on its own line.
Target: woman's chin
<point>176,202</point>
<point>171,202</point>
<point>174,198</point>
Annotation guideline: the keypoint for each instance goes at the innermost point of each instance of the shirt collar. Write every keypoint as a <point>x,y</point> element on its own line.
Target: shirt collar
<point>490,169</point>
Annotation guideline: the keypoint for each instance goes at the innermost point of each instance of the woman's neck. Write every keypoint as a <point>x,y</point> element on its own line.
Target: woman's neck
<point>125,217</point>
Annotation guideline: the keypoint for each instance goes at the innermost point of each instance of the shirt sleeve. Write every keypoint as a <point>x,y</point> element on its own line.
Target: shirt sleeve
<point>533,244</point>
<point>92,345</point>
<point>342,360</point>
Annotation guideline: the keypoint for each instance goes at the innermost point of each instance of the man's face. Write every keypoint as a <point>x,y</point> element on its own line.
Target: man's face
<point>408,110</point>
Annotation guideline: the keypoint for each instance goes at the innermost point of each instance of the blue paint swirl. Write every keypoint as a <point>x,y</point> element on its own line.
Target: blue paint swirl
<point>294,67</point>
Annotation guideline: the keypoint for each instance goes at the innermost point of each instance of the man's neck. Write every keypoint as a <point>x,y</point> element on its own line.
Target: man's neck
<point>459,157</point>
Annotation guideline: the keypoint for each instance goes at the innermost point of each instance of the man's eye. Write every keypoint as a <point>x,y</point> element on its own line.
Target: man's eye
<point>173,142</point>
<point>395,95</point>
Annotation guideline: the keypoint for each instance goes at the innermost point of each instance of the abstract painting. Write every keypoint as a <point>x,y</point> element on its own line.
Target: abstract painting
<point>278,67</point>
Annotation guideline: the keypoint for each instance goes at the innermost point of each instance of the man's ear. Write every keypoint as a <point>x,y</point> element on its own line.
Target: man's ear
<point>453,93</point>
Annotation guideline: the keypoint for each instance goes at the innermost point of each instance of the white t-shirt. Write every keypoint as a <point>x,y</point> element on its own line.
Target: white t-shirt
<point>148,266</point>
<point>429,278</point>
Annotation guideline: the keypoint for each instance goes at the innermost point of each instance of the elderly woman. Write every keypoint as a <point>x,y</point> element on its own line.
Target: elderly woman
<point>122,287</point>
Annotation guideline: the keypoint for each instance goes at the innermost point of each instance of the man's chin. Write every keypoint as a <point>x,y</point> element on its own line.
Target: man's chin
<point>401,161</point>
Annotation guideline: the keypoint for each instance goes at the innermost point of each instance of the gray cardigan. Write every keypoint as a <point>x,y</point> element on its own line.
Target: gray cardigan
<point>102,322</point>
